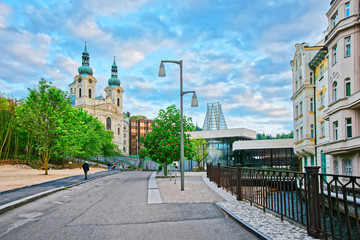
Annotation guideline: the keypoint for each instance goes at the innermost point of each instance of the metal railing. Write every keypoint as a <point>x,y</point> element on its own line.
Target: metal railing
<point>327,205</point>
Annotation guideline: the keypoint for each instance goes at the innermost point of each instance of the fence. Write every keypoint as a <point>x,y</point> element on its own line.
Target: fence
<point>327,205</point>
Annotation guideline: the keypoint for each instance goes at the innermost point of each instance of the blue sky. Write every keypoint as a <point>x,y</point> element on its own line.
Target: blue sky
<point>235,52</point>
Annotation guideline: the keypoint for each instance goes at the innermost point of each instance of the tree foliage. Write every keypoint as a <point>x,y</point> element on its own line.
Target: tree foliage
<point>263,136</point>
<point>200,148</point>
<point>162,144</point>
<point>46,122</point>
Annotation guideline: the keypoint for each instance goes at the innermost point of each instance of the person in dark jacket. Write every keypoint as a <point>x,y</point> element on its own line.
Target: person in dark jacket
<point>85,166</point>
<point>109,166</point>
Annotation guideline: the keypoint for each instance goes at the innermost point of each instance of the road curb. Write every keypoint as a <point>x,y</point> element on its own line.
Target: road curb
<point>244,224</point>
<point>9,206</point>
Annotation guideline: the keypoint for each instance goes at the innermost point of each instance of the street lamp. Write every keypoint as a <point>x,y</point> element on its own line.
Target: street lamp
<point>194,103</point>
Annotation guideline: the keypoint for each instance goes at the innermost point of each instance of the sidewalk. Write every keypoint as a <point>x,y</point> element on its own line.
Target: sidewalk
<point>19,196</point>
<point>264,225</point>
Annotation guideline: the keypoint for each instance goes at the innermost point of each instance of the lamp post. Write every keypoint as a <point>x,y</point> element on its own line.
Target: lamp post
<point>194,103</point>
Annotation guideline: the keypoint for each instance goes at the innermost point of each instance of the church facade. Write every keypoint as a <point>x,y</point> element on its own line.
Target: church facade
<point>108,109</point>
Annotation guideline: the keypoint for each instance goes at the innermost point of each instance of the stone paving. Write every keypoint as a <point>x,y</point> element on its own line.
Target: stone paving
<point>266,224</point>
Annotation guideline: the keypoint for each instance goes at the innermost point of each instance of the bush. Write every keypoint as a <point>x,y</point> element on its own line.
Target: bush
<point>160,167</point>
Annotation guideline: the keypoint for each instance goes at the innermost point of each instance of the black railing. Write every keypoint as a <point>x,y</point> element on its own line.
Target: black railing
<point>327,205</point>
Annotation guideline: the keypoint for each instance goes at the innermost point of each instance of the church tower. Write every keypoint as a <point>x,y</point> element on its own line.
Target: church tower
<point>114,91</point>
<point>82,90</point>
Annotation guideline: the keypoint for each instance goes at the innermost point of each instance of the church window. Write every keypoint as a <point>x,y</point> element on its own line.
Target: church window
<point>79,92</point>
<point>108,123</point>
<point>89,93</point>
<point>118,102</point>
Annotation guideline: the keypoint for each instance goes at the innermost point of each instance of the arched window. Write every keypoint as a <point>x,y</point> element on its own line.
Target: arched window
<point>79,92</point>
<point>89,93</point>
<point>118,131</point>
<point>118,102</point>
<point>335,91</point>
<point>108,123</point>
<point>347,87</point>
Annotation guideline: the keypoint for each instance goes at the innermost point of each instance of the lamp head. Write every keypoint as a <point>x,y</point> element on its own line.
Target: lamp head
<point>162,70</point>
<point>194,100</point>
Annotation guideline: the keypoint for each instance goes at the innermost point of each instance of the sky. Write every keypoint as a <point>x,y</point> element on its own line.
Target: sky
<point>236,52</point>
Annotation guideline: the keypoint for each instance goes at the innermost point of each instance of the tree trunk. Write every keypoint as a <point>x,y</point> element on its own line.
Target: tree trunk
<point>165,168</point>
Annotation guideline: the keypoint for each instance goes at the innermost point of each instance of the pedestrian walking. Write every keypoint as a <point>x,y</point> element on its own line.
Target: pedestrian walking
<point>114,166</point>
<point>86,168</point>
<point>109,166</point>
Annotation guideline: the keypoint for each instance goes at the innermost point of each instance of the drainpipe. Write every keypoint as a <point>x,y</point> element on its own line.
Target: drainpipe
<point>315,128</point>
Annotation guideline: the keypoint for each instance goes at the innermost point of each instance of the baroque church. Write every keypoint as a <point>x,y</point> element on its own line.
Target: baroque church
<point>108,110</point>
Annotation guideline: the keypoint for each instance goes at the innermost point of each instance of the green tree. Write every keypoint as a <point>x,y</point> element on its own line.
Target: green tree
<point>163,142</point>
<point>200,147</point>
<point>44,114</point>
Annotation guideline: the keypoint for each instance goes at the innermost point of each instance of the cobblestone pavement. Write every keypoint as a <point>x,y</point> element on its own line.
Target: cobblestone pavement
<point>198,188</point>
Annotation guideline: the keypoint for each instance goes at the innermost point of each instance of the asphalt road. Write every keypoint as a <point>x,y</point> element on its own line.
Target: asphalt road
<point>115,207</point>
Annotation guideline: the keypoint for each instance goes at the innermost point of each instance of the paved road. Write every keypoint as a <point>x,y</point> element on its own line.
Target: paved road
<point>115,207</point>
<point>19,193</point>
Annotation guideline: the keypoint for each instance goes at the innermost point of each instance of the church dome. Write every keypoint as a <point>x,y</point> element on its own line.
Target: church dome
<point>114,81</point>
<point>85,68</point>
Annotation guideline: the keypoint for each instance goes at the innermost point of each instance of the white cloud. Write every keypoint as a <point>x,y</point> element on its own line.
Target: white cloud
<point>111,7</point>
<point>5,11</point>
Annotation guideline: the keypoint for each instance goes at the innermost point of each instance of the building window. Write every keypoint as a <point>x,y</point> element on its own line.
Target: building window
<point>336,167</point>
<point>311,104</point>
<point>297,134</point>
<point>347,88</point>
<point>124,142</point>
<point>322,99</point>
<point>300,80</point>
<point>118,102</point>
<point>336,130</point>
<point>301,133</point>
<point>323,162</point>
<point>321,71</point>
<point>71,90</point>
<point>347,46</point>
<point>322,129</point>
<point>347,9</point>
<point>348,128</point>
<point>124,134</point>
<point>312,130</point>
<point>118,131</point>
<point>301,107</point>
<point>348,167</point>
<point>296,111</point>
<point>334,55</point>
<point>335,91</point>
<point>108,123</point>
<point>311,78</point>
<point>89,93</point>
<point>296,85</point>
<point>335,19</point>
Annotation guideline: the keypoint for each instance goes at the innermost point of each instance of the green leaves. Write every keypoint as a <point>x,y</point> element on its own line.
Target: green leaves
<point>162,144</point>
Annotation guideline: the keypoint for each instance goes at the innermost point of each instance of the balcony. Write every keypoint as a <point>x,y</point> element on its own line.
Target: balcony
<point>343,146</point>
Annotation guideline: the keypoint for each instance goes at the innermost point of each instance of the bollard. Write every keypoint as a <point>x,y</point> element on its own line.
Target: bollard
<point>313,201</point>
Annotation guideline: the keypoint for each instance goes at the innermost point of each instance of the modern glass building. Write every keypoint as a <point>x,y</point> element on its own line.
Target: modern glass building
<point>272,153</point>
<point>221,143</point>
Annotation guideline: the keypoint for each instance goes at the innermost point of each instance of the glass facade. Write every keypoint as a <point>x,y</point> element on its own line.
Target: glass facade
<point>220,150</point>
<point>268,158</point>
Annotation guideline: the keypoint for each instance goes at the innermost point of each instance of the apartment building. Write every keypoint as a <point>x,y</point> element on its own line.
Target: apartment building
<point>343,113</point>
<point>327,103</point>
<point>138,128</point>
<point>304,102</point>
